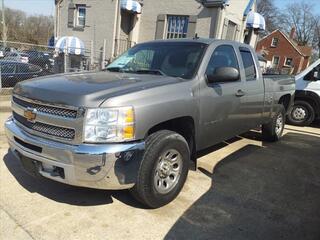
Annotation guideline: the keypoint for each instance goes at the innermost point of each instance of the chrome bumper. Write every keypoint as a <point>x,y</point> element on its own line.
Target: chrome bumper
<point>103,166</point>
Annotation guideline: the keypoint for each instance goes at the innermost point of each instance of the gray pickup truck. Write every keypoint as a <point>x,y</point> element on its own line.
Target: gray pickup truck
<point>139,124</point>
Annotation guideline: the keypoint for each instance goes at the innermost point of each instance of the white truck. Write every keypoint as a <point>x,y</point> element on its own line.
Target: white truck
<point>307,96</point>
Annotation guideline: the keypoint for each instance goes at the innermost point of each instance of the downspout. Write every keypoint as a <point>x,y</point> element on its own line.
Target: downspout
<point>57,19</point>
<point>116,30</point>
<point>217,23</point>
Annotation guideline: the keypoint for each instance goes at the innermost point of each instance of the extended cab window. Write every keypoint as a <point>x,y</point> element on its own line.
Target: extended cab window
<point>8,68</point>
<point>223,56</point>
<point>248,63</point>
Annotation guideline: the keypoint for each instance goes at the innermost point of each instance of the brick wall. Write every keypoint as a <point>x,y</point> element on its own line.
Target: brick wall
<point>284,50</point>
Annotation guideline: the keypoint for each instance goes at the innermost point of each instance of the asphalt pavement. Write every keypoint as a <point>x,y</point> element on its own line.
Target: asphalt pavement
<point>243,189</point>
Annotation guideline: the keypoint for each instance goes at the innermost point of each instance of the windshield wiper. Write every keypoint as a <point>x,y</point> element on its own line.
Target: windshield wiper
<point>150,71</point>
<point>139,71</point>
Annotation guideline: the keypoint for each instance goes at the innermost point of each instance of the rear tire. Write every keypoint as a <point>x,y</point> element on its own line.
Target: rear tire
<point>301,114</point>
<point>273,130</point>
<point>163,170</point>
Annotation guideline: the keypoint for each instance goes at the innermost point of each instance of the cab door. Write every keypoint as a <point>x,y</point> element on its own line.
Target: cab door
<point>311,81</point>
<point>8,75</point>
<point>253,104</point>
<point>220,103</point>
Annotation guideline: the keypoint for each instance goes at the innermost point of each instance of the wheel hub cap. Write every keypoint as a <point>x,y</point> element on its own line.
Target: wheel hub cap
<point>299,113</point>
<point>279,124</point>
<point>168,171</point>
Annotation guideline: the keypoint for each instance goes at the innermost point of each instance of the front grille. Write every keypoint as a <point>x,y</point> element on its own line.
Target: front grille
<point>56,111</point>
<point>51,130</point>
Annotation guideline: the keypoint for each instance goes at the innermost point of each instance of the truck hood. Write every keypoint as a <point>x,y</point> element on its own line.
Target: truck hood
<point>88,89</point>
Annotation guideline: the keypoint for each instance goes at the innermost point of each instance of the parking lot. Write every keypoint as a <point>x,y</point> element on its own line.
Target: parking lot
<point>243,189</point>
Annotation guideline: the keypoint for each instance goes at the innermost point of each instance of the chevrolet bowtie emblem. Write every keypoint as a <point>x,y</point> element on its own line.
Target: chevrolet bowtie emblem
<point>30,114</point>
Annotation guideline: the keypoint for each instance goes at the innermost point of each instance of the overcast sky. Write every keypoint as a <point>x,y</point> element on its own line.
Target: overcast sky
<point>46,7</point>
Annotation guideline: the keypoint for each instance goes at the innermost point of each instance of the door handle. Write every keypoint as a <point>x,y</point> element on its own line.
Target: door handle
<point>240,93</point>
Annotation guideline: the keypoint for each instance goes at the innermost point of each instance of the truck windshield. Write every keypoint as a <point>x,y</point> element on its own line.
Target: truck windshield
<point>175,59</point>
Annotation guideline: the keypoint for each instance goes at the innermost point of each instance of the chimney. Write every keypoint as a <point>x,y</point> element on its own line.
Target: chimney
<point>292,33</point>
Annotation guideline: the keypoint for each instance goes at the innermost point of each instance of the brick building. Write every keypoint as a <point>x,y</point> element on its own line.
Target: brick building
<point>283,54</point>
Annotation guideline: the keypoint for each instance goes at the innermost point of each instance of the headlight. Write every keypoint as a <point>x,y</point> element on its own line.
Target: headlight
<point>109,125</point>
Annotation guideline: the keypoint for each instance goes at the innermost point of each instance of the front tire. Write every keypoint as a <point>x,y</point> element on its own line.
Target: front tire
<point>273,130</point>
<point>163,170</point>
<point>301,114</point>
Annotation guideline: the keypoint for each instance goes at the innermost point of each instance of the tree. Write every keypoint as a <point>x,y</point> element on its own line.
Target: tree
<point>270,12</point>
<point>316,37</point>
<point>300,16</point>
<point>35,29</point>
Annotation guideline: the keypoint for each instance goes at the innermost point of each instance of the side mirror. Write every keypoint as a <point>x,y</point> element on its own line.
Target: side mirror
<point>224,74</point>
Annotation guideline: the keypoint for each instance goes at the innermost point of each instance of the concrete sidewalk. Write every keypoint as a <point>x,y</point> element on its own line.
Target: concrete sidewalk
<point>5,103</point>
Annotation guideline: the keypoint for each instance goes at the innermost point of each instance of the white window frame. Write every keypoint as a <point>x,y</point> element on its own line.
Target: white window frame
<point>78,16</point>
<point>285,62</point>
<point>273,64</point>
<point>272,44</point>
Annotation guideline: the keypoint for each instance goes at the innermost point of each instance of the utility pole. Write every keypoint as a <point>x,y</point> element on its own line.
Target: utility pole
<point>4,29</point>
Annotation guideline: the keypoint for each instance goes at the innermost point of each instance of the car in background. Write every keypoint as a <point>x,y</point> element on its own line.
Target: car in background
<point>13,72</point>
<point>17,56</point>
<point>4,51</point>
<point>42,59</point>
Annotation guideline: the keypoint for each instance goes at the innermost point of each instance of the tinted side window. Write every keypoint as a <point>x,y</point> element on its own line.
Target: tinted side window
<point>223,56</point>
<point>27,68</point>
<point>22,68</point>
<point>248,63</point>
<point>314,74</point>
<point>33,68</point>
<point>8,68</point>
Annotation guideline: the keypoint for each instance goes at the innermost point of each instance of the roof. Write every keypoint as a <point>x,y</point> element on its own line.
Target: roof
<point>206,41</point>
<point>4,61</point>
<point>185,40</point>
<point>305,51</point>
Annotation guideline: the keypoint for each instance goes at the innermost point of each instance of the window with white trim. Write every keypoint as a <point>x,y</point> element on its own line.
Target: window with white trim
<point>288,62</point>
<point>81,16</point>
<point>177,26</point>
<point>274,42</point>
<point>275,61</point>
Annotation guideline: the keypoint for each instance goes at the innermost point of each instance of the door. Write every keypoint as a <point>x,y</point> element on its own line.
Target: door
<point>8,75</point>
<point>127,25</point>
<point>27,71</point>
<point>252,106</point>
<point>220,112</point>
<point>311,81</point>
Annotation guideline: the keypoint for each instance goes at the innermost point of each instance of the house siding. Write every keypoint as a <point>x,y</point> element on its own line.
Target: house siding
<point>153,8</point>
<point>101,21</point>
